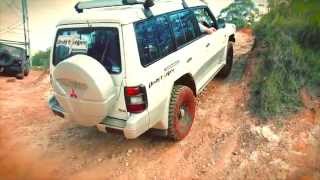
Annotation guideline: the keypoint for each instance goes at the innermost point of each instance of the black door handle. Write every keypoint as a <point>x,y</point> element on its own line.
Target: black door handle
<point>190,59</point>
<point>208,45</point>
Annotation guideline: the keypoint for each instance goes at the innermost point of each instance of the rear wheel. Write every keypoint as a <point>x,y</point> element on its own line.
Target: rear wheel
<point>181,112</point>
<point>20,75</point>
<point>26,70</point>
<point>225,71</point>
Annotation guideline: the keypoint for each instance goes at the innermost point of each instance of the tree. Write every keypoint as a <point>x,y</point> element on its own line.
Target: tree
<point>41,59</point>
<point>242,13</point>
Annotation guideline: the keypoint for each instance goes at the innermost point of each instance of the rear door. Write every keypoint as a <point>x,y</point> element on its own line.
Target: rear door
<point>191,48</point>
<point>156,50</point>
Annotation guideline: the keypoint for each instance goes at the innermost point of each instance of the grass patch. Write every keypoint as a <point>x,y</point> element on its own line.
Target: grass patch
<point>41,60</point>
<point>290,35</point>
<point>238,69</point>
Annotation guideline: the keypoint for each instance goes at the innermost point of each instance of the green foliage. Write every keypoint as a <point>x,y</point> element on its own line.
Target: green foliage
<point>242,13</point>
<point>290,34</point>
<point>41,59</point>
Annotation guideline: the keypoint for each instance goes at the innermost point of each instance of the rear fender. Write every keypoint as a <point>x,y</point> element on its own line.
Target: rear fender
<point>163,124</point>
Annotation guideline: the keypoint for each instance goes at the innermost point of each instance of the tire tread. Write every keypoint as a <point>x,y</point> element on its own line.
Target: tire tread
<point>172,134</point>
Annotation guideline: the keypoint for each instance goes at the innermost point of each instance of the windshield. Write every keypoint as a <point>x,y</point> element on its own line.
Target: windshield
<point>101,44</point>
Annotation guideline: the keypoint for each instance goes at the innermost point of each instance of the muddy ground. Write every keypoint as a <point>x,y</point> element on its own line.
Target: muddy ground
<point>226,141</point>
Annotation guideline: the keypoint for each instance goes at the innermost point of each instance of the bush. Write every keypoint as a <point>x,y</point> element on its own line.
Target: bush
<point>290,61</point>
<point>41,59</point>
<point>242,13</point>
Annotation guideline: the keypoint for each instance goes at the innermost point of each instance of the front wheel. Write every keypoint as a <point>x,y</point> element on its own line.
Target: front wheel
<point>181,112</point>
<point>226,70</point>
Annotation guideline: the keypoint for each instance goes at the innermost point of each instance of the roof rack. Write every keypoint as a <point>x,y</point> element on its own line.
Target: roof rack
<point>80,6</point>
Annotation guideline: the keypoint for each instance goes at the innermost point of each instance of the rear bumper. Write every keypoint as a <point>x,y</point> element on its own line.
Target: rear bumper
<point>132,128</point>
<point>56,108</point>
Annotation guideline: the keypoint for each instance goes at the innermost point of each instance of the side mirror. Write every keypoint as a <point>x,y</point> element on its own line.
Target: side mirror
<point>221,23</point>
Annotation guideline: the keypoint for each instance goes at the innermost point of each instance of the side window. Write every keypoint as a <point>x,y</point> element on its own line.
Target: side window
<point>154,39</point>
<point>189,25</point>
<point>164,36</point>
<point>177,29</point>
<point>205,17</point>
<point>184,27</point>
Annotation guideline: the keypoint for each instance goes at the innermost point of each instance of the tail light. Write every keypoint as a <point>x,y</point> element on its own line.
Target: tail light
<point>136,99</point>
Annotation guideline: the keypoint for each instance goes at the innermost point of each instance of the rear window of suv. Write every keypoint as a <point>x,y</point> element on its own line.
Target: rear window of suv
<point>101,44</point>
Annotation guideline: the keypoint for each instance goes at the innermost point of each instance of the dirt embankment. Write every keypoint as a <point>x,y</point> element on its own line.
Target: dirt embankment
<point>226,142</point>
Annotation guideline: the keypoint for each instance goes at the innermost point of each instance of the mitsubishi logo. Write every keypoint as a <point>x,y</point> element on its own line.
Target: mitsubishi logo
<point>73,94</point>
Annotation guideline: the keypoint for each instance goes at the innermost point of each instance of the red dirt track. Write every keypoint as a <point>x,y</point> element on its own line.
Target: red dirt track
<point>223,142</point>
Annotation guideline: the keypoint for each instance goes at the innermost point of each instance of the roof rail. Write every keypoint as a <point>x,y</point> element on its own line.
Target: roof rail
<point>80,6</point>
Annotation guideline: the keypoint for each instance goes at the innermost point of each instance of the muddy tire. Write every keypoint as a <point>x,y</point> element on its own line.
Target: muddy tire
<point>181,112</point>
<point>26,71</point>
<point>226,70</point>
<point>20,75</point>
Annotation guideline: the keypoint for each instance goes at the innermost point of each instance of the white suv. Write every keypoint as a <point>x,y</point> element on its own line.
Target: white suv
<point>133,66</point>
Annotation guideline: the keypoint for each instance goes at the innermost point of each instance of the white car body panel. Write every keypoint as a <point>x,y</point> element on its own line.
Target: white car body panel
<point>202,59</point>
